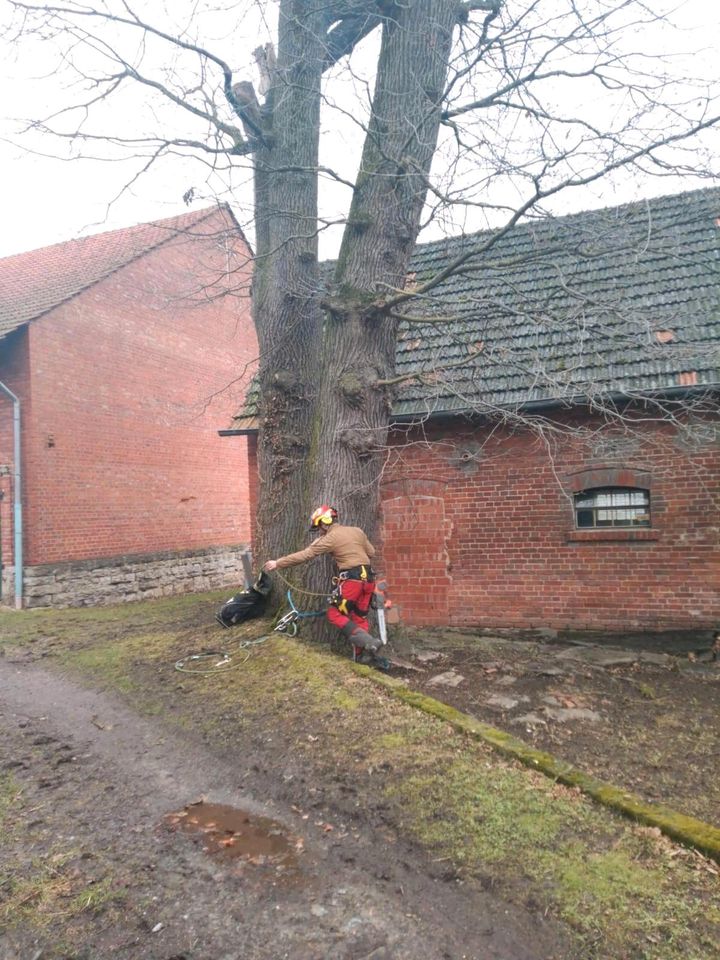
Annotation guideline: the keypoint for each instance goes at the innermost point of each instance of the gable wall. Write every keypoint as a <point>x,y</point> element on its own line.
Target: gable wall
<point>478,529</point>
<point>123,455</point>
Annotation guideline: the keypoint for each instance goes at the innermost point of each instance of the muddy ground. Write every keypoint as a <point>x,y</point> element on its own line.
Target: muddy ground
<point>642,713</point>
<point>391,836</point>
<point>97,782</point>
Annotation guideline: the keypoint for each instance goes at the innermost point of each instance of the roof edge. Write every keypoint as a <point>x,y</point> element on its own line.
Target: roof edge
<point>566,403</point>
<point>151,248</point>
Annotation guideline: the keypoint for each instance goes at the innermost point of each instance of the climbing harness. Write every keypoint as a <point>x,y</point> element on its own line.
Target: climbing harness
<point>290,622</point>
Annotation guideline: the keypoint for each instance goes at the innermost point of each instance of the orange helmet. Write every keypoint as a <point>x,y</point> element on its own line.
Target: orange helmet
<point>323,516</point>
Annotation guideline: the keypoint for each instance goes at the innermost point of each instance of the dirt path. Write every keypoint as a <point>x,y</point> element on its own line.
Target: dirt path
<point>92,784</point>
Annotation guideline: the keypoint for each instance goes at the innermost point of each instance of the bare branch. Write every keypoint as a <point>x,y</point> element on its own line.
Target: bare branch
<point>471,6</point>
<point>345,36</point>
<point>430,376</point>
<point>452,268</point>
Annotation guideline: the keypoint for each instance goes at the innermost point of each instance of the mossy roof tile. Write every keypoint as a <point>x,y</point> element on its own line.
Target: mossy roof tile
<point>565,308</point>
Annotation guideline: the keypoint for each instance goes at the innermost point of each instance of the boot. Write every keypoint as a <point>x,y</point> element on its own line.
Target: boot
<point>360,638</point>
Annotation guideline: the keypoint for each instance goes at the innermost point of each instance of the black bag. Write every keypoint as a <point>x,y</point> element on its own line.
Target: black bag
<point>245,606</point>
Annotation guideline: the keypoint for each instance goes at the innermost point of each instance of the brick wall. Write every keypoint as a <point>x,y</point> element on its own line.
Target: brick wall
<point>415,525</point>
<point>14,374</point>
<point>254,486</point>
<point>479,529</point>
<point>130,382</point>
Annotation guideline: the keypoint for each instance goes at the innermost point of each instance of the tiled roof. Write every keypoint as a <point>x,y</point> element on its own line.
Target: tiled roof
<point>624,300</point>
<point>37,281</point>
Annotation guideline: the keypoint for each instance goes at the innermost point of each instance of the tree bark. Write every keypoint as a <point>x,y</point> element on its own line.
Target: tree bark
<point>359,338</point>
<point>286,308</point>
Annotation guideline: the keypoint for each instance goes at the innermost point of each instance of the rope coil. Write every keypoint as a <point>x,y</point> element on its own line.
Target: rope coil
<point>224,660</point>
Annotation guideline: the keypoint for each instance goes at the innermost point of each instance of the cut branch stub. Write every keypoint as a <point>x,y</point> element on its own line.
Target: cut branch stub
<point>361,440</point>
<point>246,105</point>
<point>352,388</point>
<point>286,381</point>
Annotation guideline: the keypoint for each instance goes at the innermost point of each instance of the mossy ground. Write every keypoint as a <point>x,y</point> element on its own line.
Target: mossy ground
<point>624,890</point>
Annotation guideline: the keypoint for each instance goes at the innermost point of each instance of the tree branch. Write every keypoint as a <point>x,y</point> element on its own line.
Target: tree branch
<point>540,194</point>
<point>470,6</point>
<point>430,376</point>
<point>345,35</point>
<point>134,21</point>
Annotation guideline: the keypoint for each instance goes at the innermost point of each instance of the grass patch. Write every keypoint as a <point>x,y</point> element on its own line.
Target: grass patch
<point>479,820</point>
<point>47,891</point>
<point>43,891</point>
<point>610,881</point>
<point>112,662</point>
<point>9,792</point>
<point>97,897</point>
<point>624,893</point>
<point>279,675</point>
<point>643,902</point>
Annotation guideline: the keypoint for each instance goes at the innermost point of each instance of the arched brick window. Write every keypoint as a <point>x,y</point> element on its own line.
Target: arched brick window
<point>611,503</point>
<point>605,507</point>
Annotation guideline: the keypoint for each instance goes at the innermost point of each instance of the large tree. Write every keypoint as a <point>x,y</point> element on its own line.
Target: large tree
<point>470,112</point>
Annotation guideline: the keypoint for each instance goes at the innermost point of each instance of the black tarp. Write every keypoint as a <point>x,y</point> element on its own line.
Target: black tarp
<point>246,605</point>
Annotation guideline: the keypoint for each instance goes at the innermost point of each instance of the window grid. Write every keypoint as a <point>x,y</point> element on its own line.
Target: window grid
<point>607,507</point>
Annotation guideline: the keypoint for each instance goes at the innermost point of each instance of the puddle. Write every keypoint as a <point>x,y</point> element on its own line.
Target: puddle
<point>230,834</point>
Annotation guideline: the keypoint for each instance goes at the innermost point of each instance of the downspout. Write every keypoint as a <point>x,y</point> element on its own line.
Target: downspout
<point>17,498</point>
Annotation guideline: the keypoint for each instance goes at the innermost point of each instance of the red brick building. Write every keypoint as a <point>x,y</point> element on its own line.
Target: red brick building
<point>555,455</point>
<point>125,350</point>
<point>488,528</point>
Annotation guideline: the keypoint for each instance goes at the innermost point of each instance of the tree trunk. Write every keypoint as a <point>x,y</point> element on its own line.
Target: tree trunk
<point>359,337</point>
<point>286,308</point>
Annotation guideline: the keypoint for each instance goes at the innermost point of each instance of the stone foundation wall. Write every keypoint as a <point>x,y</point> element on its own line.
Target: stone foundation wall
<point>7,595</point>
<point>86,583</point>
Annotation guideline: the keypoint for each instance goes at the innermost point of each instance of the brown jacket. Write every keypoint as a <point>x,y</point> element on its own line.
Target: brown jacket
<point>348,545</point>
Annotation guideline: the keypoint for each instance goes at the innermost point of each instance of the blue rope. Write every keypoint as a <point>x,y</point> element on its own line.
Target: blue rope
<point>300,614</point>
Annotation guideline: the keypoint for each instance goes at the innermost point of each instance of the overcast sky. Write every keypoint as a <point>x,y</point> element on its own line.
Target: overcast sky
<point>45,199</point>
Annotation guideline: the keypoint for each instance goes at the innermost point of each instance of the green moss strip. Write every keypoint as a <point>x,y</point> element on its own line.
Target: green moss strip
<point>684,829</point>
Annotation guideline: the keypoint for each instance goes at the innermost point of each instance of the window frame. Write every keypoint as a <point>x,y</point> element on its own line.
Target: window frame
<point>612,475</point>
<point>613,522</point>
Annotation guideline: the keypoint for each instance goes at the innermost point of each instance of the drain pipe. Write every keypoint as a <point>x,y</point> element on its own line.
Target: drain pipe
<point>17,506</point>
